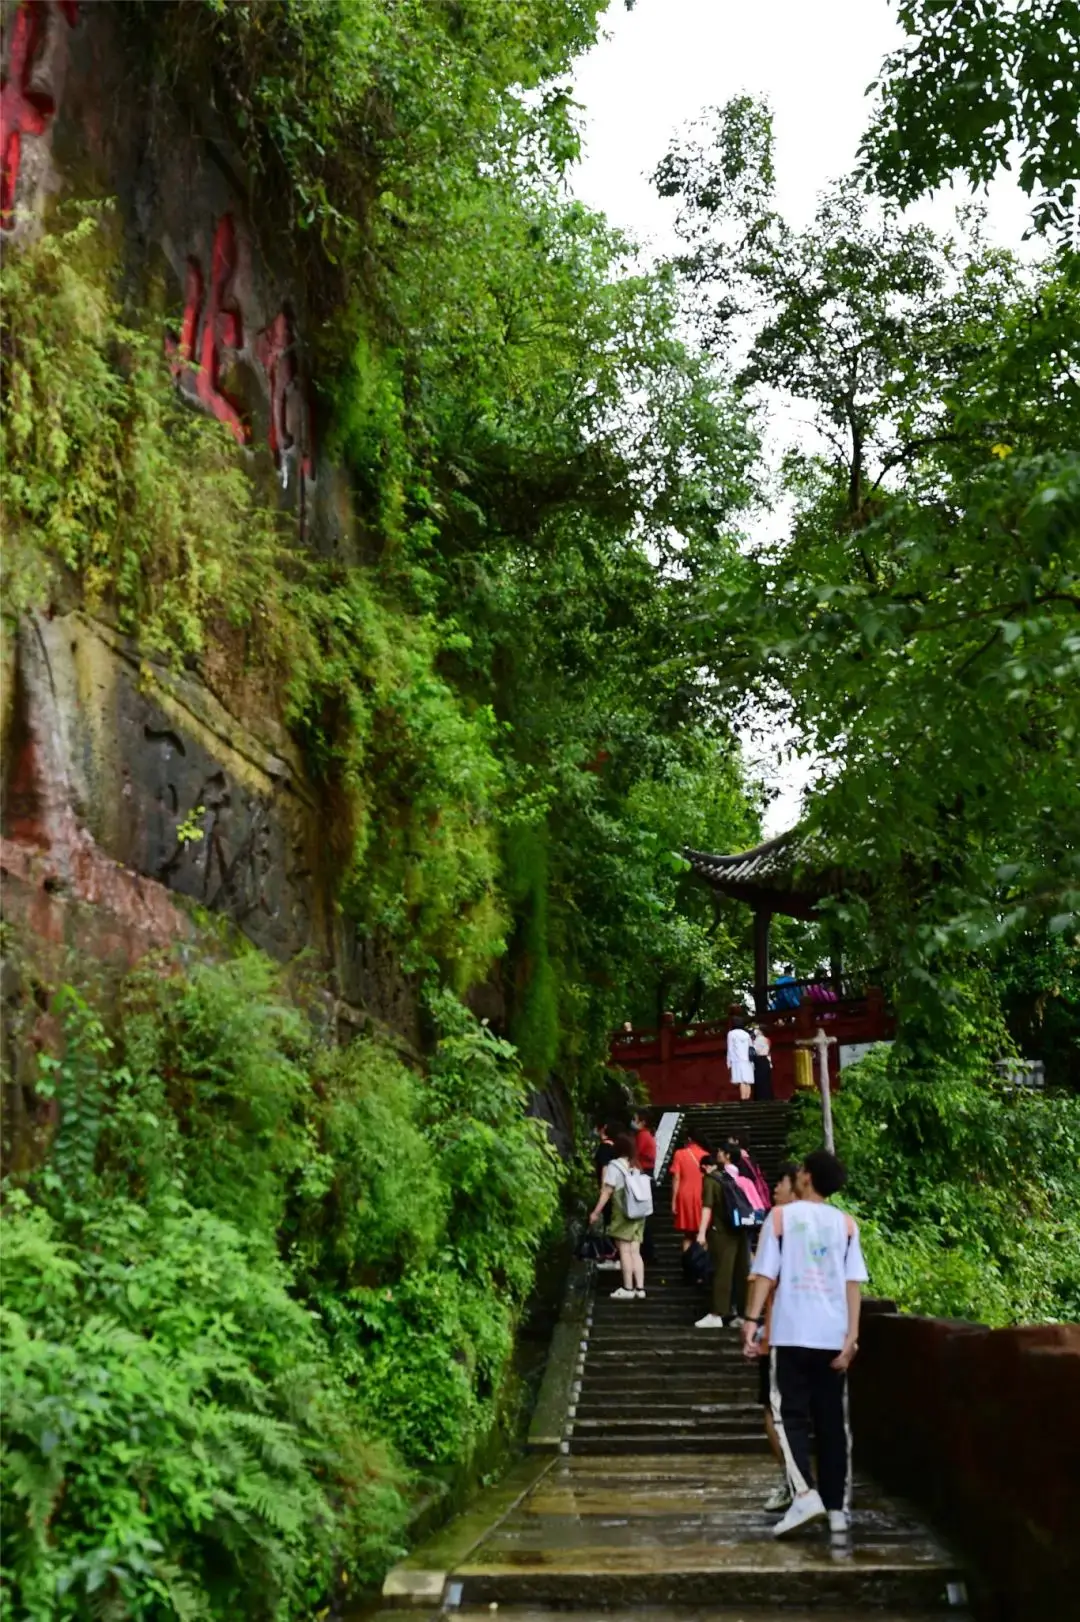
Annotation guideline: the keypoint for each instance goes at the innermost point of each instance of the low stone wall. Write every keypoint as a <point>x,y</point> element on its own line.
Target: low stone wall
<point>981,1427</point>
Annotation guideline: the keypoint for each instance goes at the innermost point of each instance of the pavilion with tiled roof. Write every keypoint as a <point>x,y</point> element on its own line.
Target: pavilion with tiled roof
<point>785,875</point>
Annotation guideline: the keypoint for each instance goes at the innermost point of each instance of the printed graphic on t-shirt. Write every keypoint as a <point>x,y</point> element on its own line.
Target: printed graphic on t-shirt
<point>812,1264</point>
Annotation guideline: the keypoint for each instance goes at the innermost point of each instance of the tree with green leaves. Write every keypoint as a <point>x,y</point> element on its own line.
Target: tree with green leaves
<point>918,613</point>
<point>976,84</point>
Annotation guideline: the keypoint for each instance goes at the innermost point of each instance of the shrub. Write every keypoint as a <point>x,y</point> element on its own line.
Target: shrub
<point>968,1190</point>
<point>177,1440</point>
<point>374,1206</point>
<point>259,1277</point>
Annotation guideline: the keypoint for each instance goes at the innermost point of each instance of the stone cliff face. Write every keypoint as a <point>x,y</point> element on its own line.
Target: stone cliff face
<point>132,787</point>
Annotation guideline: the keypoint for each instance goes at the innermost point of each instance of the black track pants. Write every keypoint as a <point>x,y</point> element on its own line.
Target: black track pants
<point>807,1394</point>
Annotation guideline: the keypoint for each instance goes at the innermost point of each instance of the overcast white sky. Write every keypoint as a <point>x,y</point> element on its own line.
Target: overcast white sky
<point>666,60</point>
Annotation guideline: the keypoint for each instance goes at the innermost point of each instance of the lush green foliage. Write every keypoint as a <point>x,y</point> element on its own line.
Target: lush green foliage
<point>261,1279</point>
<point>1038,982</point>
<point>541,469</point>
<point>973,85</point>
<point>967,1191</point>
<point>177,1439</point>
<point>485,679</point>
<point>105,473</point>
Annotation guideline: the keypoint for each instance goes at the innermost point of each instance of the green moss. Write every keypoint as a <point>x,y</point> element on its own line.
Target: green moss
<point>111,488</point>
<point>117,493</point>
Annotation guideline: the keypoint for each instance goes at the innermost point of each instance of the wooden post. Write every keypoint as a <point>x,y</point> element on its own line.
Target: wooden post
<point>822,1043</point>
<point>762,930</point>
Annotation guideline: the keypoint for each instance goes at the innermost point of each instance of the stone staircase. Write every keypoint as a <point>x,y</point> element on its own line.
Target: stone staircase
<point>764,1126</point>
<point>651,1382</point>
<point>652,1506</point>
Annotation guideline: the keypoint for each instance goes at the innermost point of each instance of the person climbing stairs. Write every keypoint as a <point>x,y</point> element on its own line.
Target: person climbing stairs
<point>653,1505</point>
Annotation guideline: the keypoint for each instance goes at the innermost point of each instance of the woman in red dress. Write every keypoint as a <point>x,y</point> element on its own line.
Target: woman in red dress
<point>686,1188</point>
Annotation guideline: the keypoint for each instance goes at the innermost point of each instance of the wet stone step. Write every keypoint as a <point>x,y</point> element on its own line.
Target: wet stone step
<point>768,1573</point>
<point>691,1428</point>
<point>677,1535</point>
<point>599,1403</point>
<point>720,1605</point>
<point>666,1529</point>
<point>691,1360</point>
<point>679,1340</point>
<point>661,1290</point>
<point>596,1400</point>
<point>711,1390</point>
<point>601,1406</point>
<point>596,1396</point>
<point>700,1440</point>
<point>715,1416</point>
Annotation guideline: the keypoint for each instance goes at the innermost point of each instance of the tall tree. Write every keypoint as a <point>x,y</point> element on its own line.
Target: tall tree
<point>919,617</point>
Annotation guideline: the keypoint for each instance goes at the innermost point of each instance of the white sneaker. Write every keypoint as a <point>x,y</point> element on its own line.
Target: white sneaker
<point>839,1521</point>
<point>640,1294</point>
<point>711,1320</point>
<point>623,1295</point>
<point>805,1510</point>
<point>735,1323</point>
<point>779,1498</point>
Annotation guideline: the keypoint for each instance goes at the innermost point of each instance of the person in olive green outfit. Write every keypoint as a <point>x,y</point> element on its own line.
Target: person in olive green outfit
<point>626,1231</point>
<point>728,1247</point>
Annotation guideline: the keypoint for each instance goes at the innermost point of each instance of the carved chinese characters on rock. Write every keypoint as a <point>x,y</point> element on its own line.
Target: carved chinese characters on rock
<point>212,332</point>
<point>27,103</point>
<point>213,340</point>
<point>289,428</point>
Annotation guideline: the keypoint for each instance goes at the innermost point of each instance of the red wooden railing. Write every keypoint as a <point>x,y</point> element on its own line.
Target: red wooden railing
<point>687,1064</point>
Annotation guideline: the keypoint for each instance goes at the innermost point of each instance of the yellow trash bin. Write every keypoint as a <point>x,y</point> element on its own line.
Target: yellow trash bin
<point>804,1069</point>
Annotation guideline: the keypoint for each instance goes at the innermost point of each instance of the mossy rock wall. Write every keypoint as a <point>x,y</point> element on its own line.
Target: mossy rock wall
<point>130,780</point>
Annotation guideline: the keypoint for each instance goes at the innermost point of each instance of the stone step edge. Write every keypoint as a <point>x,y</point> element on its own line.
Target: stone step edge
<point>864,1586</point>
<point>422,1576</point>
<point>565,1364</point>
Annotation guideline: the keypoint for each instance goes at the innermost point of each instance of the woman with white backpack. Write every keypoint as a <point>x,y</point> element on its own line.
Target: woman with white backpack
<point>630,1191</point>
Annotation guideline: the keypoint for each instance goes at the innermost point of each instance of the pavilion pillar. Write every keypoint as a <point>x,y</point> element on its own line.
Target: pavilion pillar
<point>762,931</point>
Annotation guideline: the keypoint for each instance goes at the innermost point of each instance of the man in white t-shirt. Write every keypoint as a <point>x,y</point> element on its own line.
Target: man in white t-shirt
<point>810,1255</point>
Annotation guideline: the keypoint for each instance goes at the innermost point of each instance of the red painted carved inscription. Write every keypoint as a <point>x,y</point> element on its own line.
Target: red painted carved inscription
<point>212,329</point>
<point>26,107</point>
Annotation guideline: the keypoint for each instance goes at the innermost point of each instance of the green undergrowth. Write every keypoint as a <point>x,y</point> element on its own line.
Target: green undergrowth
<point>967,1190</point>
<point>260,1289</point>
<point>110,484</point>
<point>501,691</point>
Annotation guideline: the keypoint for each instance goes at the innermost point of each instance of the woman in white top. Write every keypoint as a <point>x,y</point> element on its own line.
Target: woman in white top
<point>740,1066</point>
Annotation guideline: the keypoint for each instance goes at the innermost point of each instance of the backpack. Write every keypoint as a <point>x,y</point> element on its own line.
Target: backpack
<point>696,1264</point>
<point>638,1189</point>
<point>737,1209</point>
